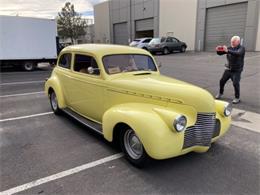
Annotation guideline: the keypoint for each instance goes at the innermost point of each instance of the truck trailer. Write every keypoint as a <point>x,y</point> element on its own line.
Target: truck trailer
<point>26,41</point>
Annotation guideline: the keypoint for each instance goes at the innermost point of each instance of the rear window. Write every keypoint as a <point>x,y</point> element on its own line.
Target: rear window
<point>65,60</point>
<point>157,40</point>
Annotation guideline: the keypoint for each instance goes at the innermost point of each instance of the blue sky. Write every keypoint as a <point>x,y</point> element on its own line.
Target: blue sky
<point>45,8</point>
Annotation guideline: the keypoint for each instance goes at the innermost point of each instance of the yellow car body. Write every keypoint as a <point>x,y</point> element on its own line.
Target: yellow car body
<point>148,102</point>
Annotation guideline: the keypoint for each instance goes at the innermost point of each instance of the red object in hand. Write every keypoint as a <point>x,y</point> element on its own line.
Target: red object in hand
<point>220,48</point>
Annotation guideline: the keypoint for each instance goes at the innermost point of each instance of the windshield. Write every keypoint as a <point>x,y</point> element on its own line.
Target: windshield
<point>127,63</point>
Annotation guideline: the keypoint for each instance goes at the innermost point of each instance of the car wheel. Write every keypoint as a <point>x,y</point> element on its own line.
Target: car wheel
<point>165,51</point>
<point>54,103</point>
<point>28,66</point>
<point>133,148</point>
<point>183,49</point>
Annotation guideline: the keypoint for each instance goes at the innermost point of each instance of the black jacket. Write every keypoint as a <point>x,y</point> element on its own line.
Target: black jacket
<point>235,57</point>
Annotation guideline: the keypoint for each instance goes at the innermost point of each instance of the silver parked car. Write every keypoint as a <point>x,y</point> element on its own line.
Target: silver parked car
<point>141,43</point>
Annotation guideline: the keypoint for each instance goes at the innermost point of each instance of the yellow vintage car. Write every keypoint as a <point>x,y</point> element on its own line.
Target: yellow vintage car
<point>119,92</point>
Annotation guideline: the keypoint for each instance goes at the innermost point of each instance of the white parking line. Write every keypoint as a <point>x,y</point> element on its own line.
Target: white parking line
<point>24,117</point>
<point>60,175</point>
<point>22,94</point>
<point>246,119</point>
<point>21,83</point>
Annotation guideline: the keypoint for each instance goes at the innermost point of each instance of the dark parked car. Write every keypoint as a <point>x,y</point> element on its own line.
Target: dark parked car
<point>166,45</point>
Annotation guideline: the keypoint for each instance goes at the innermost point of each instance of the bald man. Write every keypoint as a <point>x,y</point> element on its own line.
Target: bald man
<point>235,57</point>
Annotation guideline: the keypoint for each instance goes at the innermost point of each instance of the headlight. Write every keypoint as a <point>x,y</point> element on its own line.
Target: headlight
<point>180,123</point>
<point>227,110</point>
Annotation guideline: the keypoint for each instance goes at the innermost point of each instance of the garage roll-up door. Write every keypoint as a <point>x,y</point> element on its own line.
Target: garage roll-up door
<point>121,33</point>
<point>224,22</point>
<point>143,25</point>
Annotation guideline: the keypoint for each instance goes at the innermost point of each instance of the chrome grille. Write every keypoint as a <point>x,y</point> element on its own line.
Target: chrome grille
<point>201,133</point>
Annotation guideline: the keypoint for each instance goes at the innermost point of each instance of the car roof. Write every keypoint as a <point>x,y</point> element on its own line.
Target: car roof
<point>104,49</point>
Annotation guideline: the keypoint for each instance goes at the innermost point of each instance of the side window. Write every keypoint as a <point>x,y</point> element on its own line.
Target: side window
<point>175,40</point>
<point>83,62</point>
<point>147,40</point>
<point>169,40</point>
<point>65,60</point>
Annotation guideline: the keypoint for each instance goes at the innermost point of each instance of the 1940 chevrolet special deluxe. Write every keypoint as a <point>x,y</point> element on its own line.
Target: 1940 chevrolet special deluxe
<point>118,92</point>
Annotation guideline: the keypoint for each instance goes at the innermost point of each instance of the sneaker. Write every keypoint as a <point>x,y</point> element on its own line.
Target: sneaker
<point>219,96</point>
<point>236,101</point>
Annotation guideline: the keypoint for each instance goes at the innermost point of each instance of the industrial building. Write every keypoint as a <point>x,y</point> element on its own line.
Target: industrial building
<point>202,24</point>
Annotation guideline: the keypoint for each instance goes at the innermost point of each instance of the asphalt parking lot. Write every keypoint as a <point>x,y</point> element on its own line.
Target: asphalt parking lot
<point>46,154</point>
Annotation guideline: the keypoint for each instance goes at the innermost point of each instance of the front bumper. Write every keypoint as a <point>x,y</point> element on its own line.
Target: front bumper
<point>171,144</point>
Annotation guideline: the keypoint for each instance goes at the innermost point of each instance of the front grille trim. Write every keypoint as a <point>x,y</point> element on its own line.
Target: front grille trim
<point>201,133</point>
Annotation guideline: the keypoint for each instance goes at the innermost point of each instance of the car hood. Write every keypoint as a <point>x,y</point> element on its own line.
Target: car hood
<point>165,89</point>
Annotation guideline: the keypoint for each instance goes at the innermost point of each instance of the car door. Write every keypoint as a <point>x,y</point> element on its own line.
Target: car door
<point>146,42</point>
<point>170,44</point>
<point>177,44</point>
<point>86,89</point>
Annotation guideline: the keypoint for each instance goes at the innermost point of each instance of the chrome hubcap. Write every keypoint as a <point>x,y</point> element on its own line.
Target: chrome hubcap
<point>28,66</point>
<point>54,102</point>
<point>132,144</point>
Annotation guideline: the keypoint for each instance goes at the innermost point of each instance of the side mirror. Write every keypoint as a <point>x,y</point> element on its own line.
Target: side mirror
<point>160,65</point>
<point>92,70</point>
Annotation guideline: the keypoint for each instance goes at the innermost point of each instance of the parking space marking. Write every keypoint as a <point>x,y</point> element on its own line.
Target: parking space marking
<point>60,175</point>
<point>246,119</point>
<point>22,94</point>
<point>24,117</point>
<point>21,83</point>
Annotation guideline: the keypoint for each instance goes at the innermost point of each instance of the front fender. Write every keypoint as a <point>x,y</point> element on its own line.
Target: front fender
<point>159,139</point>
<point>54,83</point>
<point>225,122</point>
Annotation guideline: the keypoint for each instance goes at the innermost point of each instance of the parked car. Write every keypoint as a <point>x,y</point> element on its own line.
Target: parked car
<point>141,43</point>
<point>166,45</point>
<point>119,92</point>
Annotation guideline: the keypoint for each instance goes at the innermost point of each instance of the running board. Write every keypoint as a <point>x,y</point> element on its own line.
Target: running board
<point>89,123</point>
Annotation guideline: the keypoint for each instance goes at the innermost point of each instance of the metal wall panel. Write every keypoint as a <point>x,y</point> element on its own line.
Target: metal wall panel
<point>223,22</point>
<point>145,24</point>
<point>120,33</point>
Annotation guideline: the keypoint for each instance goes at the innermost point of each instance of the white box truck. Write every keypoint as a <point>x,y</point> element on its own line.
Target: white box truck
<point>26,41</point>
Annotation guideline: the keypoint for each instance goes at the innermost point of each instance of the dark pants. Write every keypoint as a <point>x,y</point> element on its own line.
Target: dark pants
<point>235,77</point>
